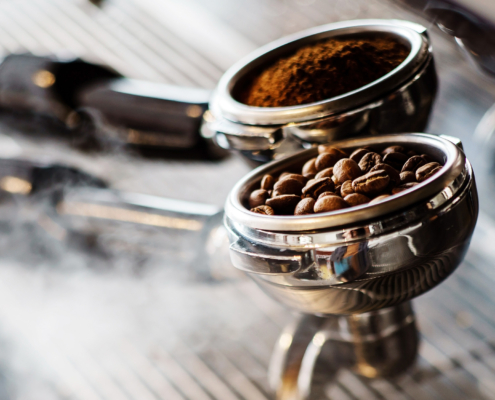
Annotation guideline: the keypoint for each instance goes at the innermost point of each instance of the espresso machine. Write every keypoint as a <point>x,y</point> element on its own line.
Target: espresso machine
<point>349,278</point>
<point>352,274</point>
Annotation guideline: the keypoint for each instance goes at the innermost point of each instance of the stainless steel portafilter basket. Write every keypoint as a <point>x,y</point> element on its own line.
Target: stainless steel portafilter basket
<point>363,263</point>
<point>400,101</point>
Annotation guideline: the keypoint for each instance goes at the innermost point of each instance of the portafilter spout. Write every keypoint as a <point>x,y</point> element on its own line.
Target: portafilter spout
<point>356,269</point>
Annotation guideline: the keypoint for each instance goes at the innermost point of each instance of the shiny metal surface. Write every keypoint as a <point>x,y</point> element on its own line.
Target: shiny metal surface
<point>398,102</point>
<point>369,260</point>
<point>377,344</point>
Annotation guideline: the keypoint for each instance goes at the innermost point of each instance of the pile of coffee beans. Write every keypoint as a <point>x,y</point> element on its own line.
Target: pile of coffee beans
<point>335,180</point>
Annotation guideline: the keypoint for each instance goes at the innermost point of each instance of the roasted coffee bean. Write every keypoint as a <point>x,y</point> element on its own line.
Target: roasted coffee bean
<point>379,199</point>
<point>285,204</point>
<point>356,199</point>
<point>326,160</point>
<point>391,171</point>
<point>346,188</point>
<point>358,154</point>
<point>326,148</point>
<point>317,186</point>
<point>310,182</point>
<point>288,186</point>
<point>330,203</point>
<point>334,180</point>
<point>395,160</point>
<point>305,206</point>
<point>297,177</point>
<point>372,183</point>
<point>403,187</point>
<point>326,173</point>
<point>413,163</point>
<point>309,168</point>
<point>368,161</point>
<point>267,182</point>
<point>265,210</point>
<point>407,176</point>
<point>346,169</point>
<point>427,170</point>
<point>258,198</point>
<point>327,194</point>
<point>394,149</point>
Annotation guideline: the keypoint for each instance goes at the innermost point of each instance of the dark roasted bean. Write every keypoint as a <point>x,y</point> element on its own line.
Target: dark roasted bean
<point>372,183</point>
<point>346,169</point>
<point>413,163</point>
<point>297,177</point>
<point>395,160</point>
<point>356,199</point>
<point>305,206</point>
<point>310,182</point>
<point>309,168</point>
<point>368,161</point>
<point>284,204</point>
<point>288,186</point>
<point>394,149</point>
<point>346,188</point>
<point>327,194</point>
<point>317,186</point>
<point>358,154</point>
<point>407,176</point>
<point>267,182</point>
<point>326,160</point>
<point>258,198</point>
<point>379,199</point>
<point>330,203</point>
<point>411,153</point>
<point>403,187</point>
<point>326,173</point>
<point>326,148</point>
<point>391,171</point>
<point>427,170</point>
<point>265,210</point>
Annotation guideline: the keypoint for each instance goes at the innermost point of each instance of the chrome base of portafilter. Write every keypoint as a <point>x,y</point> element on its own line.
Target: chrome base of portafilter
<point>353,272</point>
<point>376,344</point>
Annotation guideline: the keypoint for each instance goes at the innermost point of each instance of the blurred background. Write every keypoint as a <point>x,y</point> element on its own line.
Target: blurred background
<point>110,294</point>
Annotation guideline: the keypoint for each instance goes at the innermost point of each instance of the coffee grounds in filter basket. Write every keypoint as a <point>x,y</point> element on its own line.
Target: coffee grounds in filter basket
<point>335,180</point>
<point>323,70</point>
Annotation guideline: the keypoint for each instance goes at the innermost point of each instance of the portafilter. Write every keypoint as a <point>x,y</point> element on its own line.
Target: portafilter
<point>399,101</point>
<point>356,269</point>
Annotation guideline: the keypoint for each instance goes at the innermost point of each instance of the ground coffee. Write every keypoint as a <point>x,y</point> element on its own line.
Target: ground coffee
<point>323,70</point>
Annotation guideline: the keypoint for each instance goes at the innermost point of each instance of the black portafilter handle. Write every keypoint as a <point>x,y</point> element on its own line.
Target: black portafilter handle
<point>98,104</point>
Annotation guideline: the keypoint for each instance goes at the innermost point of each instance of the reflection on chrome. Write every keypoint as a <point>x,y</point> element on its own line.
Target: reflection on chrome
<point>13,184</point>
<point>124,215</point>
